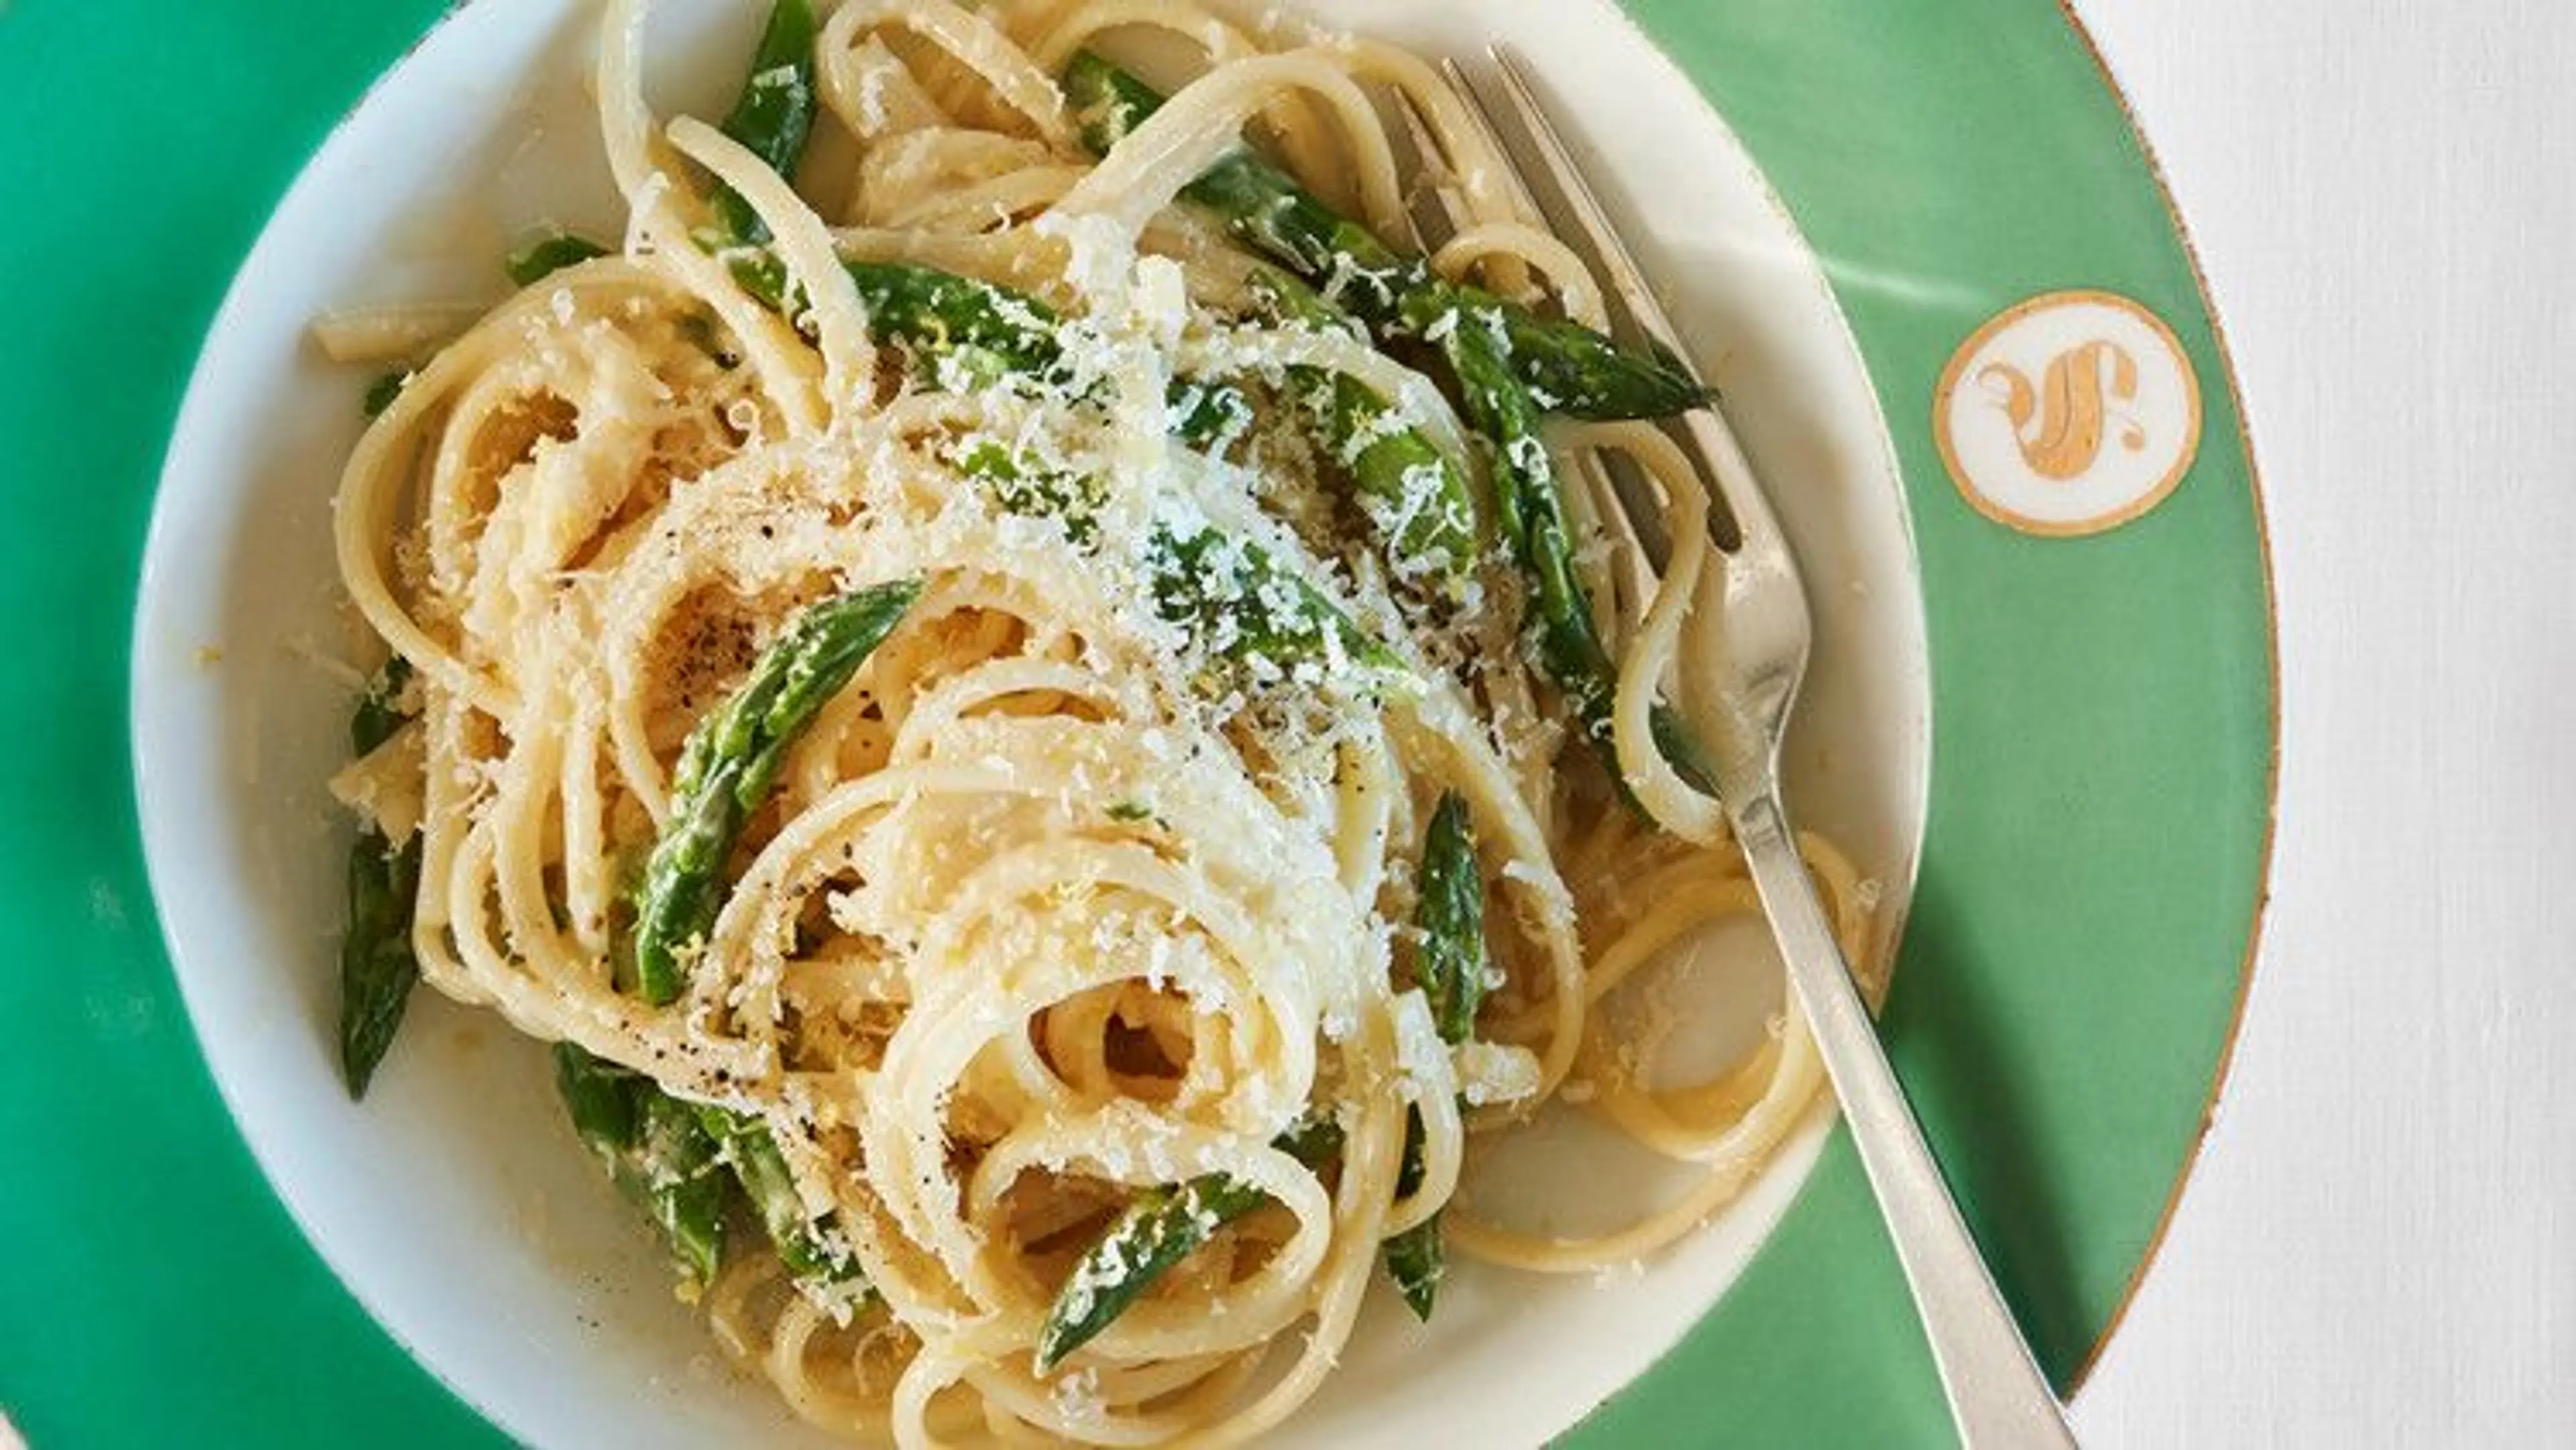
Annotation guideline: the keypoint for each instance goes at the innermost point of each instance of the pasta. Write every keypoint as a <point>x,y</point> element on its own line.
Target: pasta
<point>1005,723</point>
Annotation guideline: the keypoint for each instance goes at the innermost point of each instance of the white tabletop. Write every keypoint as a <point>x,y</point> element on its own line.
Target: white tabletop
<point>2379,1247</point>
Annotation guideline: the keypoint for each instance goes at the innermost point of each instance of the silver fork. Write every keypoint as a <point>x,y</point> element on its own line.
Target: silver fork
<point>1742,664</point>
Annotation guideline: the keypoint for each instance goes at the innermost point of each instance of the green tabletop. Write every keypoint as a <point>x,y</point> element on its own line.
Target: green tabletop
<point>2104,732</point>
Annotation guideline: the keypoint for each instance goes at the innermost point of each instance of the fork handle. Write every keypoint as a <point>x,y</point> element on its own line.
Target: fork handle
<point>1998,1398</point>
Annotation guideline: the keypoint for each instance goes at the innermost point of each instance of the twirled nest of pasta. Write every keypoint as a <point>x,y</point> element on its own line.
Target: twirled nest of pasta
<point>1020,691</point>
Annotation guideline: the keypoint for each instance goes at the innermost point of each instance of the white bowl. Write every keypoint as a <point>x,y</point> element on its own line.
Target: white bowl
<point>455,1203</point>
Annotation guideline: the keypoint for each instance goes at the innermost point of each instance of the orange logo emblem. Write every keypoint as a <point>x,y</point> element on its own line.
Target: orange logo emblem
<point>2069,414</point>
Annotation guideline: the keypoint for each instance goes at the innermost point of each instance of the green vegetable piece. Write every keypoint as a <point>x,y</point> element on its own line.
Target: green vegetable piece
<point>973,335</point>
<point>656,1152</point>
<point>601,1098</point>
<point>1574,369</point>
<point>987,334</point>
<point>1530,505</point>
<point>548,255</point>
<point>1209,416</point>
<point>1449,966</point>
<point>1232,596</point>
<point>1313,1140</point>
<point>1416,1258</point>
<point>1422,503</point>
<point>382,392</point>
<point>762,1171</point>
<point>941,311</point>
<point>1571,369</point>
<point>1450,915</point>
<point>763,276</point>
<point>377,966</point>
<point>1259,203</point>
<point>380,714</point>
<point>679,1179</point>
<point>1530,501</point>
<point>1510,366</point>
<point>1679,746</point>
<point>726,769</point>
<point>773,118</point>
<point>1226,591</point>
<point>1158,1229</point>
<point>1036,493</point>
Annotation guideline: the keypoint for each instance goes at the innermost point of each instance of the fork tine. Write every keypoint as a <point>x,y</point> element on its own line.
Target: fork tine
<point>1610,491</point>
<point>1582,206</point>
<point>1633,514</point>
<point>1741,516</point>
<point>1483,121</point>
<point>1437,212</point>
<point>1639,561</point>
<point>1606,499</point>
<point>1506,274</point>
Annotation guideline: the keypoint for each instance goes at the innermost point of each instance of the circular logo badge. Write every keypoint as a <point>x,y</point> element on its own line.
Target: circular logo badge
<point>2069,414</point>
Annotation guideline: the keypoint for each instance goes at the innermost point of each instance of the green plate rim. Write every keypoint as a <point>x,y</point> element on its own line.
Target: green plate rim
<point>145,1222</point>
<point>2244,441</point>
<point>1891,1393</point>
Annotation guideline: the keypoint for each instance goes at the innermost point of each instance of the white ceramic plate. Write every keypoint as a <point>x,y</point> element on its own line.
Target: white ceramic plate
<point>455,1202</point>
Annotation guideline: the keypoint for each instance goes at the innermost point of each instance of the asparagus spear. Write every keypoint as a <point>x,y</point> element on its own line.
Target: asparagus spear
<point>680,1178</point>
<point>987,332</point>
<point>1449,966</point>
<point>727,766</point>
<point>1449,914</point>
<point>387,387</point>
<point>941,311</point>
<point>1416,1259</point>
<point>1036,493</point>
<point>677,1161</point>
<point>548,255</point>
<point>1231,592</point>
<point>976,333</point>
<point>1226,590</point>
<point>762,1171</point>
<point>1208,416</point>
<point>980,332</point>
<point>656,1151</point>
<point>1531,502</point>
<point>380,714</point>
<point>990,333</point>
<point>1528,500</point>
<point>1505,359</point>
<point>774,116</point>
<point>1157,1230</point>
<point>1259,203</point>
<point>377,968</point>
<point>1575,369</point>
<point>1404,479</point>
<point>600,1097</point>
